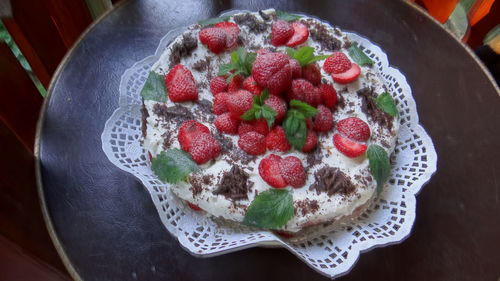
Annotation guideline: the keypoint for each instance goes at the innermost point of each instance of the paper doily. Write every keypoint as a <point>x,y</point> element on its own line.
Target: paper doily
<point>388,220</point>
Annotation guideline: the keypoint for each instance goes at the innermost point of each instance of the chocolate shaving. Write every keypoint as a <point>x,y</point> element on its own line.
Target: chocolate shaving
<point>253,24</point>
<point>196,187</point>
<point>370,108</point>
<point>331,180</point>
<point>177,114</point>
<point>202,64</point>
<point>182,49</point>
<point>144,116</point>
<point>264,16</point>
<point>314,157</point>
<point>306,206</point>
<point>321,34</point>
<point>234,184</point>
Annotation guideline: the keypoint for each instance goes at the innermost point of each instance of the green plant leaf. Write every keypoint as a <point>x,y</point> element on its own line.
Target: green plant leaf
<point>304,108</point>
<point>295,128</point>
<point>380,166</point>
<point>305,55</point>
<point>173,165</point>
<point>241,62</point>
<point>271,209</point>
<point>154,88</point>
<point>359,56</point>
<point>287,16</point>
<point>260,110</point>
<point>385,103</point>
<point>212,21</point>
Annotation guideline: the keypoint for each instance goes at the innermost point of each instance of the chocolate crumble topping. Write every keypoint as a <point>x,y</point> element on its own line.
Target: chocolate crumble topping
<point>182,49</point>
<point>370,108</point>
<point>264,16</point>
<point>252,22</point>
<point>196,187</point>
<point>145,115</point>
<point>202,64</point>
<point>306,206</point>
<point>234,184</point>
<point>177,114</point>
<point>314,157</point>
<point>320,34</point>
<point>331,180</point>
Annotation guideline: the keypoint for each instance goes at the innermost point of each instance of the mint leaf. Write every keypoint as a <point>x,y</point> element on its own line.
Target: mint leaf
<point>385,103</point>
<point>269,114</point>
<point>241,62</point>
<point>225,68</point>
<point>173,165</point>
<point>380,166</point>
<point>212,21</point>
<point>270,209</point>
<point>304,108</point>
<point>304,55</point>
<point>295,128</point>
<point>359,56</point>
<point>154,88</point>
<point>287,16</point>
<point>260,110</point>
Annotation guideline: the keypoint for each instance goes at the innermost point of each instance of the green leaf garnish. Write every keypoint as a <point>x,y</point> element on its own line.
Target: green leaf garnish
<point>380,166</point>
<point>241,63</point>
<point>260,110</point>
<point>295,123</point>
<point>358,55</point>
<point>287,16</point>
<point>173,165</point>
<point>385,103</point>
<point>304,55</point>
<point>212,21</point>
<point>154,88</point>
<point>270,209</point>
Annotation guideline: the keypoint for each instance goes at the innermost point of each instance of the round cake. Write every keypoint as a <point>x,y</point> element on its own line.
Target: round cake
<point>270,119</point>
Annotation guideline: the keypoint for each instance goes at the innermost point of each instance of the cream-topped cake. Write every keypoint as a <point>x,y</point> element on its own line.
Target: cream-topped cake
<point>269,119</point>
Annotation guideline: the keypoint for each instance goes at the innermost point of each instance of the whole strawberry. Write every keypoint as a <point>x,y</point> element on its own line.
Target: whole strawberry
<point>305,91</point>
<point>296,69</point>
<point>328,95</point>
<point>226,124</point>
<point>281,32</point>
<point>220,103</point>
<point>276,140</point>
<point>279,105</point>
<point>250,85</point>
<point>180,84</point>
<point>214,38</point>
<point>239,102</point>
<point>232,32</point>
<point>354,128</point>
<point>204,148</point>
<point>338,62</point>
<point>323,121</point>
<point>188,132</point>
<point>253,143</point>
<point>259,126</point>
<point>218,84</point>
<point>312,73</point>
<point>272,71</point>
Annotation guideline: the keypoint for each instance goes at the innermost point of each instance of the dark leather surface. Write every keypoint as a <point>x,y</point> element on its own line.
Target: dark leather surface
<point>110,230</point>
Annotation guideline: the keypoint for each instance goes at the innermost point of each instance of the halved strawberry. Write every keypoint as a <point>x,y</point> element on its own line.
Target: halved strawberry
<point>348,76</point>
<point>348,147</point>
<point>259,126</point>
<point>253,143</point>
<point>300,34</point>
<point>323,121</point>
<point>227,124</point>
<point>270,171</point>
<point>239,102</point>
<point>193,206</point>
<point>292,171</point>
<point>232,32</point>
<point>354,128</point>
<point>338,62</point>
<point>180,84</point>
<point>218,84</point>
<point>328,95</point>
<point>279,105</point>
<point>250,85</point>
<point>188,132</point>
<point>220,103</point>
<point>296,69</point>
<point>312,73</point>
<point>281,32</point>
<point>214,38</point>
<point>311,141</point>
<point>203,148</point>
<point>276,140</point>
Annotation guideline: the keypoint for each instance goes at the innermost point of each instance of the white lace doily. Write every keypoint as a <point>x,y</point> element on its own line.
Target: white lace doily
<point>388,220</point>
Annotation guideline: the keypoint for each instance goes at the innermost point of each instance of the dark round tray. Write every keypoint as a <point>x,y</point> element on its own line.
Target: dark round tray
<point>103,221</point>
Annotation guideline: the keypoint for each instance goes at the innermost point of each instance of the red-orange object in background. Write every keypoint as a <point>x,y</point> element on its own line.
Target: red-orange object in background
<point>479,10</point>
<point>440,9</point>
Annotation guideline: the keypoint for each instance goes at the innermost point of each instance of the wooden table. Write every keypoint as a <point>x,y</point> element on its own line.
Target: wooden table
<point>104,223</point>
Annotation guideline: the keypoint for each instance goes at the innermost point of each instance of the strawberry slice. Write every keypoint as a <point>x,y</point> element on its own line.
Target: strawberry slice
<point>232,32</point>
<point>188,132</point>
<point>348,76</point>
<point>292,171</point>
<point>214,38</point>
<point>348,147</point>
<point>300,34</point>
<point>354,128</point>
<point>193,206</point>
<point>270,171</point>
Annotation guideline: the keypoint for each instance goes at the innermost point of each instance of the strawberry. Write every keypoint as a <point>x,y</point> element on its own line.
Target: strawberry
<point>232,32</point>
<point>338,62</point>
<point>203,148</point>
<point>214,38</point>
<point>309,124</point>
<point>348,147</point>
<point>226,124</point>
<point>279,105</point>
<point>292,171</point>
<point>323,121</point>
<point>253,143</point>
<point>188,132</point>
<point>180,84</point>
<point>270,171</point>
<point>296,69</point>
<point>276,140</point>
<point>250,85</point>
<point>272,71</point>
<point>348,76</point>
<point>235,84</point>
<point>281,32</point>
<point>328,95</point>
<point>354,129</point>
<point>311,141</point>
<point>259,126</point>
<point>239,102</point>
<point>284,234</point>
<point>304,91</point>
<point>220,103</point>
<point>263,51</point>
<point>150,156</point>
<point>312,73</point>
<point>218,84</point>
<point>193,206</point>
<point>300,34</point>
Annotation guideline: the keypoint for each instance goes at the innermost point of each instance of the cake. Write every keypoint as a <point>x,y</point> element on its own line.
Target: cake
<point>269,119</point>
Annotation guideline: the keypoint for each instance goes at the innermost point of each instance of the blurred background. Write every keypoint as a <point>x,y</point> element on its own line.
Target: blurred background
<point>34,38</point>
